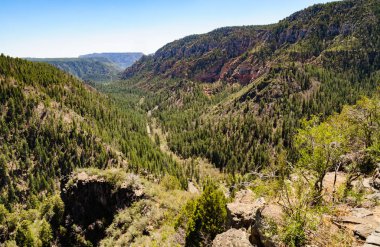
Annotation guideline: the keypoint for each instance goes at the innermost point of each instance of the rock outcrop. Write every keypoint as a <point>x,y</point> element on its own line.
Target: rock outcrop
<point>260,230</point>
<point>374,239</point>
<point>251,218</point>
<point>241,215</point>
<point>363,230</point>
<point>92,198</point>
<point>242,212</point>
<point>361,221</point>
<point>232,238</point>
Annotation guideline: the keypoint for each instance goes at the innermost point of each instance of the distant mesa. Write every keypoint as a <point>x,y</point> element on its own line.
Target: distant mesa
<point>95,67</point>
<point>122,59</point>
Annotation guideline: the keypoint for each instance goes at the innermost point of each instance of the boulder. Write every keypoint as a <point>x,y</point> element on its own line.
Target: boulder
<point>356,220</point>
<point>244,196</point>
<point>260,231</point>
<point>232,238</point>
<point>376,183</point>
<point>363,230</point>
<point>242,215</point>
<point>361,212</point>
<point>376,178</point>
<point>374,196</point>
<point>373,239</point>
<point>367,183</point>
<point>192,188</point>
<point>368,203</point>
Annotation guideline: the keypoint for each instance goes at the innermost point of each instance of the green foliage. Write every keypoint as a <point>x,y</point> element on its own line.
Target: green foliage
<point>320,147</point>
<point>51,124</point>
<point>354,132</point>
<point>87,69</point>
<point>204,217</point>
<point>54,124</point>
<point>170,183</point>
<point>24,235</point>
<point>235,139</point>
<point>299,217</point>
<point>324,34</point>
<point>294,233</point>
<point>32,227</point>
<point>46,235</point>
<point>52,210</point>
<point>304,73</point>
<point>314,63</point>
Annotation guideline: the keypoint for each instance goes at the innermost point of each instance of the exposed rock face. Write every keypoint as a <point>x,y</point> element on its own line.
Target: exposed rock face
<point>232,238</point>
<point>192,188</point>
<point>374,196</point>
<point>91,201</point>
<point>206,57</point>
<point>244,196</point>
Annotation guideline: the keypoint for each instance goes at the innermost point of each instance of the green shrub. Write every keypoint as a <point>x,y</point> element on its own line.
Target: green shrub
<point>24,236</point>
<point>170,182</point>
<point>204,217</point>
<point>53,211</point>
<point>46,234</point>
<point>294,231</point>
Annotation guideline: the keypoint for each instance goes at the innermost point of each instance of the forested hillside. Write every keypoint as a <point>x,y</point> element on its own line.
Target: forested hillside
<point>97,67</point>
<point>51,124</point>
<point>256,135</point>
<point>259,103</point>
<point>337,35</point>
<point>87,69</point>
<point>236,95</point>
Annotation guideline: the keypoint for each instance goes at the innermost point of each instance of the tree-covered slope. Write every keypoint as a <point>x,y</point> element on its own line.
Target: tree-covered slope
<point>96,67</point>
<point>88,69</point>
<point>338,35</point>
<point>50,124</point>
<point>265,78</point>
<point>260,103</point>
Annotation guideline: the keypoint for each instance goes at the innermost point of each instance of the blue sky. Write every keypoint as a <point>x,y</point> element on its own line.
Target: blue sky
<point>68,28</point>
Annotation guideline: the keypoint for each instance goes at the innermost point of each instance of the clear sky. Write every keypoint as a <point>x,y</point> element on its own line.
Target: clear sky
<point>68,28</point>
